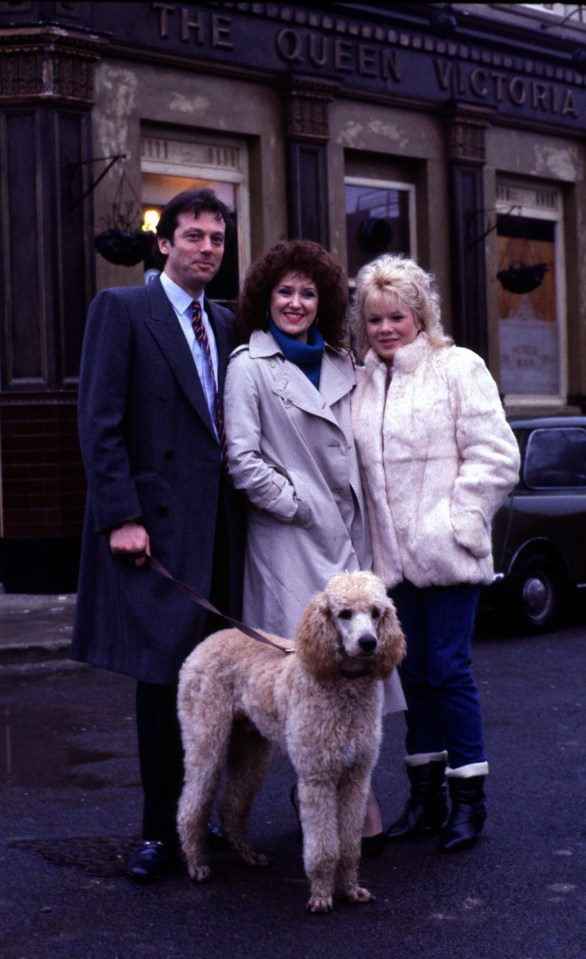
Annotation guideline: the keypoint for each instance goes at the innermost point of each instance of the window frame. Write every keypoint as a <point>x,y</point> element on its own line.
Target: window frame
<point>540,202</point>
<point>399,185</point>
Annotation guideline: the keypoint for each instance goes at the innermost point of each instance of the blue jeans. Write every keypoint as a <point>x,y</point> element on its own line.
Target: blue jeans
<point>443,704</point>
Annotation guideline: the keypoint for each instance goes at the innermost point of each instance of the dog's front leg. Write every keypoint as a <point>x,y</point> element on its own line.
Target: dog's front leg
<point>319,821</point>
<point>352,798</point>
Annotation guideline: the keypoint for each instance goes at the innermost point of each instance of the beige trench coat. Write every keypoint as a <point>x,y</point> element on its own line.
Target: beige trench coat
<point>290,448</point>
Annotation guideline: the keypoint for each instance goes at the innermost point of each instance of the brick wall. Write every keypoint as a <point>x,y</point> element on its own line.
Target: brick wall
<point>43,483</point>
<point>43,492</point>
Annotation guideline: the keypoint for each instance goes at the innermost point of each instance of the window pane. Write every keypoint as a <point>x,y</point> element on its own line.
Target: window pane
<point>377,221</point>
<point>556,458</point>
<point>528,322</point>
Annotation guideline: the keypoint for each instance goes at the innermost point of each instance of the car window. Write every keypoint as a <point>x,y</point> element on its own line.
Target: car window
<point>555,457</point>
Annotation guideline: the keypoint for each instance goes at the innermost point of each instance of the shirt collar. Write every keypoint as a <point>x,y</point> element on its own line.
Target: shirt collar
<point>180,299</point>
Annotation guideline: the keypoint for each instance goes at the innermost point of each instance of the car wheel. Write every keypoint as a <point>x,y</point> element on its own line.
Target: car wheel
<point>537,592</point>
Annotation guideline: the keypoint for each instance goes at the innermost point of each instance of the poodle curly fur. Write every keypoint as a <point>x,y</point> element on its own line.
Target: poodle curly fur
<point>321,705</point>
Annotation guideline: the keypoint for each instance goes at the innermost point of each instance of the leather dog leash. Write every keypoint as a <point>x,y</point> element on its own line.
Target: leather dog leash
<point>202,601</point>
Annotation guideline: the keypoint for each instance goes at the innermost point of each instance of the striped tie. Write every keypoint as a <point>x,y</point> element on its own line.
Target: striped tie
<point>202,338</point>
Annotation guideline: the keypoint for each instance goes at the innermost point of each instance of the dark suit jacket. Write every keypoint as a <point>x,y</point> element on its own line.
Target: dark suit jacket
<point>150,452</point>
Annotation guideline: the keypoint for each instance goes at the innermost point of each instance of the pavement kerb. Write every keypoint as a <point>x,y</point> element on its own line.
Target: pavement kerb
<point>35,628</point>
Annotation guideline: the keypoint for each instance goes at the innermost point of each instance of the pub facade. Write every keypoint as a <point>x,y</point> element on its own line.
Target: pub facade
<point>453,133</point>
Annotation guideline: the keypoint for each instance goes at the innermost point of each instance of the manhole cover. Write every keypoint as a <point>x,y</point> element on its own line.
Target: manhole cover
<point>94,855</point>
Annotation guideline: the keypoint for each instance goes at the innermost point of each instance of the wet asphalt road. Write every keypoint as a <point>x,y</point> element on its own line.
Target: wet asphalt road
<point>70,808</point>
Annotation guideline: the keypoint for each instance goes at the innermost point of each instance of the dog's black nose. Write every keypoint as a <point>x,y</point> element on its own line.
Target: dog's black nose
<point>367,643</point>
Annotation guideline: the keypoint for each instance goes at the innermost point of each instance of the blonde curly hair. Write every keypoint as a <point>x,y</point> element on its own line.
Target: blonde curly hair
<point>394,277</point>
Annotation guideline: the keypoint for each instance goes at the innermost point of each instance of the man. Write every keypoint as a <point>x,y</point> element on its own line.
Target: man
<point>151,440</point>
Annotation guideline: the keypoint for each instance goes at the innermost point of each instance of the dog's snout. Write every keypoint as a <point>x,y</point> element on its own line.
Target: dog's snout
<point>367,643</point>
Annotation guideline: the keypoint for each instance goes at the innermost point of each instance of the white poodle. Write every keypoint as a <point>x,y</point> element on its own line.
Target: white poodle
<point>321,705</point>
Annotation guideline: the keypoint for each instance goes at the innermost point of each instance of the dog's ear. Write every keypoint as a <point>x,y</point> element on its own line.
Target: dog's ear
<point>317,640</point>
<point>391,643</point>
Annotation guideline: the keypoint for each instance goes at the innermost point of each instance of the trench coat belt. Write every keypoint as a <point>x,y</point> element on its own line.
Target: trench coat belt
<point>202,601</point>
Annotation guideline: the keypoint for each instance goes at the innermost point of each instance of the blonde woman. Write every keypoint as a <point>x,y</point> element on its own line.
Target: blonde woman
<point>437,459</point>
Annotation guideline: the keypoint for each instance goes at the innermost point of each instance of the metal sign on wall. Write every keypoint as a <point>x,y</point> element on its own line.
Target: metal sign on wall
<point>378,52</point>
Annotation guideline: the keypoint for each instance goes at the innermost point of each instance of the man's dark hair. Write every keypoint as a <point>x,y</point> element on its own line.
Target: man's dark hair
<point>193,201</point>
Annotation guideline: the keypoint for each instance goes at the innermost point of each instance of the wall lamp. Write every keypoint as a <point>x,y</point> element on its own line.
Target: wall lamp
<point>579,54</point>
<point>579,59</point>
<point>443,21</point>
<point>546,26</point>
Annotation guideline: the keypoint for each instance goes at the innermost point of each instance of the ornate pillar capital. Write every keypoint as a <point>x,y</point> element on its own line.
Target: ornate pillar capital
<point>306,115</point>
<point>466,132</point>
<point>48,63</point>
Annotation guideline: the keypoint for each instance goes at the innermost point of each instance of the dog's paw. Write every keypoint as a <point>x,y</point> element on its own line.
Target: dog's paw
<point>251,858</point>
<point>320,904</point>
<point>199,873</point>
<point>259,859</point>
<point>359,894</point>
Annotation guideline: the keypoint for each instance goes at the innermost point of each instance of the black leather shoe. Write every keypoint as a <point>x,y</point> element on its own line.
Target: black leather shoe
<point>427,807</point>
<point>467,814</point>
<point>151,861</point>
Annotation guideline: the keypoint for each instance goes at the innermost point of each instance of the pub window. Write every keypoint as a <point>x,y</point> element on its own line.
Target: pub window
<point>380,219</point>
<point>530,295</point>
<point>171,164</point>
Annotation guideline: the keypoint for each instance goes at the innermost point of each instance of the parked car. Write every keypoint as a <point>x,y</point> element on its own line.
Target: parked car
<point>539,534</point>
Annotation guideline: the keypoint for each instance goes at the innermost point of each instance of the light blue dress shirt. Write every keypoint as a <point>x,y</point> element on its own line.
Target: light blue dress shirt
<point>182,304</point>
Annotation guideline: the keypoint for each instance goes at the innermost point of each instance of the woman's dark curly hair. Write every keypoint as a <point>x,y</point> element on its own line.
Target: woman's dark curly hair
<point>306,258</point>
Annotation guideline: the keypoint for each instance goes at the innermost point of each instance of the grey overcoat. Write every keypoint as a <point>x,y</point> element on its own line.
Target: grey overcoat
<point>150,452</point>
<point>291,449</point>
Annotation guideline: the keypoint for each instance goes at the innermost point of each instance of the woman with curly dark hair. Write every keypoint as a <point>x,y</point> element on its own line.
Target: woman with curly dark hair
<point>290,444</point>
<point>307,259</point>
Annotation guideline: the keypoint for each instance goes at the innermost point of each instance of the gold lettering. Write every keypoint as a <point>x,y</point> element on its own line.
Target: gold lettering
<point>289,45</point>
<point>478,82</point>
<point>221,27</point>
<point>318,59</point>
<point>187,25</point>
<point>444,74</point>
<point>390,65</point>
<point>539,96</point>
<point>499,81</point>
<point>343,55</point>
<point>568,105</point>
<point>366,61</point>
<point>518,91</point>
<point>461,79</point>
<point>165,9</point>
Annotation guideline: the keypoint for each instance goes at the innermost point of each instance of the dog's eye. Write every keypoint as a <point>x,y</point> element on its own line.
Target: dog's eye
<point>345,614</point>
<point>375,613</point>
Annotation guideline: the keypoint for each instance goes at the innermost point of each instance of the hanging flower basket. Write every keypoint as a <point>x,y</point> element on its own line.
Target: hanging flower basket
<point>124,247</point>
<point>522,279</point>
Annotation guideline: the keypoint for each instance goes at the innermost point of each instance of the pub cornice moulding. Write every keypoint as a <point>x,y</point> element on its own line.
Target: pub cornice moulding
<point>48,63</point>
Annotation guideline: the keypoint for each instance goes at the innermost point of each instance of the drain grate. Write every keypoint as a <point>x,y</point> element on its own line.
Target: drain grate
<point>94,855</point>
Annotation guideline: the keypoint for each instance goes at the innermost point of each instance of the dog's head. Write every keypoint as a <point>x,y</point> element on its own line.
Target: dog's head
<point>351,628</point>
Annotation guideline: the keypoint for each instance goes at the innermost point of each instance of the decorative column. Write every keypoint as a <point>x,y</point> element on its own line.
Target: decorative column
<point>307,135</point>
<point>466,153</point>
<point>46,94</point>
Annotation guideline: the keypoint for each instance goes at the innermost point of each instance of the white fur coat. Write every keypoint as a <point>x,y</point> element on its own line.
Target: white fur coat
<point>437,459</point>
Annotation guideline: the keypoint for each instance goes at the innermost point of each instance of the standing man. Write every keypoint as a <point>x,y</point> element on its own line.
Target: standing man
<point>151,435</point>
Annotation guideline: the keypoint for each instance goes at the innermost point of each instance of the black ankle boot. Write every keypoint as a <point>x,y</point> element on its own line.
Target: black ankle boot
<point>467,814</point>
<point>427,806</point>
